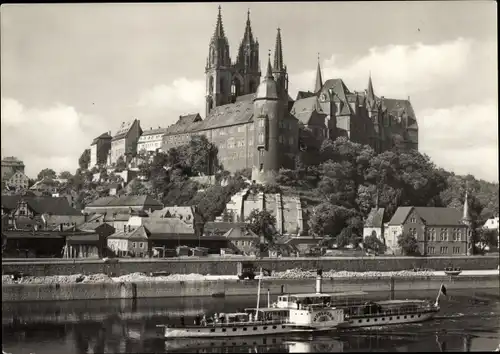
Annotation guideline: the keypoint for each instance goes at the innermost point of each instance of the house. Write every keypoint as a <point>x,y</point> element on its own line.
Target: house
<point>374,224</point>
<point>84,244</point>
<point>99,149</point>
<point>246,242</point>
<point>188,214</point>
<point>129,241</point>
<point>48,185</point>
<point>98,225</point>
<point>123,204</point>
<point>18,181</point>
<point>124,142</point>
<point>216,228</point>
<point>33,243</point>
<point>438,231</point>
<point>31,206</point>
<point>491,224</point>
<point>11,165</point>
<point>151,140</point>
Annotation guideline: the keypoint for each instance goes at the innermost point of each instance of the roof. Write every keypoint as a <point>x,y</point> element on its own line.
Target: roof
<point>170,226</point>
<point>154,131</point>
<point>56,220</point>
<point>11,160</point>
<point>186,213</point>
<point>102,136</point>
<point>245,98</point>
<point>123,129</point>
<point>339,294</point>
<point>139,233</point>
<point>41,205</point>
<point>396,106</point>
<point>227,115</point>
<point>239,231</point>
<point>186,123</point>
<point>304,94</point>
<point>375,218</point>
<point>222,226</point>
<point>340,90</point>
<point>83,238</point>
<point>432,216</point>
<point>124,201</point>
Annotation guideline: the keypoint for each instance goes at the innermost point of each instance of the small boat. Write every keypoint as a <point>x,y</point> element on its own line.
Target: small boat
<point>361,313</point>
<point>262,321</point>
<point>452,271</point>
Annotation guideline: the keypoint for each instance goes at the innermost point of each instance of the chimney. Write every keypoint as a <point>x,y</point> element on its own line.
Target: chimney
<point>319,279</point>
<point>128,228</point>
<point>60,227</point>
<point>124,228</point>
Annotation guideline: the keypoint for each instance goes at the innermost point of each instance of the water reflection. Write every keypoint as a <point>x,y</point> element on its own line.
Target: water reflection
<point>130,327</point>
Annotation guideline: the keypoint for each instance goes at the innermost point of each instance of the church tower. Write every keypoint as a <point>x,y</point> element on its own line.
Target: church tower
<point>218,69</point>
<point>467,220</point>
<point>266,127</point>
<point>247,67</point>
<point>319,80</point>
<point>280,72</point>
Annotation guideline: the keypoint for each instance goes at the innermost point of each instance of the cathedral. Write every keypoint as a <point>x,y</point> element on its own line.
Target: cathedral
<point>256,124</point>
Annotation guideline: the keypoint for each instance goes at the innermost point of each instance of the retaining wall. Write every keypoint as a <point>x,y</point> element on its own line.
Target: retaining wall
<point>87,291</point>
<point>225,266</point>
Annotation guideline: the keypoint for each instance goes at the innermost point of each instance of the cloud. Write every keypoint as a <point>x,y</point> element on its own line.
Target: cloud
<point>462,138</point>
<point>397,70</point>
<point>52,137</point>
<point>167,102</point>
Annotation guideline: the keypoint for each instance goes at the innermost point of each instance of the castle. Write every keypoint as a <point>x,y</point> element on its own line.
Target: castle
<point>256,124</point>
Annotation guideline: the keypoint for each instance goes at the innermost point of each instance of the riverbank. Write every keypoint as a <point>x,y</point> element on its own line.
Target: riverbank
<point>139,289</point>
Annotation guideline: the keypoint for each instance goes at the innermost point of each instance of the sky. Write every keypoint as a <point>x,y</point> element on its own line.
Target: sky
<point>70,72</point>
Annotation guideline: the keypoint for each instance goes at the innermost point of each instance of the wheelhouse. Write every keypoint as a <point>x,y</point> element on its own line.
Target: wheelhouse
<point>341,299</point>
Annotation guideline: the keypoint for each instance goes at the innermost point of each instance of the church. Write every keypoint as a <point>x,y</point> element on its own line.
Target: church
<point>256,124</point>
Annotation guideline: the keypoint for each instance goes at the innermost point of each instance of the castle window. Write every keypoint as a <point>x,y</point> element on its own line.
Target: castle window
<point>261,122</point>
<point>261,138</point>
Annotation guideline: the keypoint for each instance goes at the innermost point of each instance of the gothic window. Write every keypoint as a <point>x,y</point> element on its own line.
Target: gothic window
<point>211,85</point>
<point>261,138</point>
<point>221,85</point>
<point>235,87</point>
<point>252,87</point>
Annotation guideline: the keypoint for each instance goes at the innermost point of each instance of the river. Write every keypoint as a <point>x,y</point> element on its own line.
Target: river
<point>469,321</point>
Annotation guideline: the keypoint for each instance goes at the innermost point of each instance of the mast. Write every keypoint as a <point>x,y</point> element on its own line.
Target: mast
<point>258,296</point>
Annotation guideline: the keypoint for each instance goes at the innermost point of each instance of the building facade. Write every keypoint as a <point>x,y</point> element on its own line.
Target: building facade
<point>438,231</point>
<point>124,142</point>
<point>151,140</point>
<point>18,180</point>
<point>99,149</point>
<point>11,165</point>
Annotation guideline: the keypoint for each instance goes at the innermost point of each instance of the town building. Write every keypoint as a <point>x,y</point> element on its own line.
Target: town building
<point>124,142</point>
<point>122,204</point>
<point>151,140</point>
<point>99,150</point>
<point>129,241</point>
<point>491,224</point>
<point>31,206</point>
<point>374,224</point>
<point>244,240</point>
<point>438,231</point>
<point>188,214</point>
<point>18,181</point>
<point>11,165</point>
<point>49,186</point>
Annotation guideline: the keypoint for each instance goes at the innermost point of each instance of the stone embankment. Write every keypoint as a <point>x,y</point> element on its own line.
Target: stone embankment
<point>142,277</point>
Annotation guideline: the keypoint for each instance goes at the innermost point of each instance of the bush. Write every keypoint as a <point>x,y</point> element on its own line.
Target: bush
<point>408,245</point>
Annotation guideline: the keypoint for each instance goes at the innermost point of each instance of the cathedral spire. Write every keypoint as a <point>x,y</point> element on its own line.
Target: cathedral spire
<point>269,73</point>
<point>371,92</point>
<point>319,79</point>
<point>219,28</point>
<point>278,53</point>
<point>248,36</point>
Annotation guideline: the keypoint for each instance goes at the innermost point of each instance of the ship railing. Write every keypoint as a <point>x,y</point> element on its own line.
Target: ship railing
<point>394,312</point>
<point>249,323</point>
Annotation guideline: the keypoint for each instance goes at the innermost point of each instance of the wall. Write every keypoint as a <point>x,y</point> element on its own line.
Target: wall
<point>86,291</point>
<point>227,266</point>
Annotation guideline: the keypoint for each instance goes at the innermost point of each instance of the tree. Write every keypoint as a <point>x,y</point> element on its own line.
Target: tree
<point>408,245</point>
<point>373,243</point>
<point>65,175</point>
<point>263,223</point>
<point>47,173</point>
<point>136,187</point>
<point>121,165</point>
<point>84,160</point>
<point>329,220</point>
<point>487,238</point>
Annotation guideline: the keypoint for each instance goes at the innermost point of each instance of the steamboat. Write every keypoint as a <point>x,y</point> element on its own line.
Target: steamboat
<point>262,321</point>
<point>361,313</point>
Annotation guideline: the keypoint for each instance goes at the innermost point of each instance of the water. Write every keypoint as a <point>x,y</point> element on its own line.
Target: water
<point>468,321</point>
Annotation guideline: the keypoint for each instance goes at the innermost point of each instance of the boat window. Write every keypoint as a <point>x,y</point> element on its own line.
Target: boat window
<point>244,328</point>
<point>255,328</point>
<point>234,329</point>
<point>265,327</point>
<point>282,326</point>
<point>274,327</point>
<point>212,330</point>
<point>223,330</point>
<point>398,317</point>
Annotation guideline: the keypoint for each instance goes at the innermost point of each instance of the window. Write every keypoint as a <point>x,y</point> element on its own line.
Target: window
<point>141,245</point>
<point>261,138</point>
<point>241,129</point>
<point>443,250</point>
<point>250,142</point>
<point>430,250</point>
<point>413,220</point>
<point>456,250</point>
